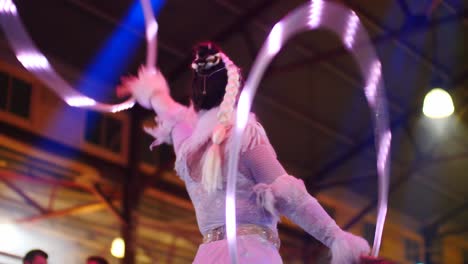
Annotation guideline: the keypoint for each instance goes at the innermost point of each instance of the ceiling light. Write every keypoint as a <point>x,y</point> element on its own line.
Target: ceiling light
<point>438,104</point>
<point>118,248</point>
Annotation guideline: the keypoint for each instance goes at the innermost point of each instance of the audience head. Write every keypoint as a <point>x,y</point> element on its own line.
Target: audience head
<point>35,256</point>
<point>96,260</point>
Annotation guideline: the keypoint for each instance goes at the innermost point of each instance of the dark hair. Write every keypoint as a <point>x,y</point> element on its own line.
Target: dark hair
<point>99,260</point>
<point>33,253</point>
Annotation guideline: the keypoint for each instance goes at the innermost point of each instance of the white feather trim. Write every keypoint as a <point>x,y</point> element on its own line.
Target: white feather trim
<point>206,122</point>
<point>166,123</point>
<point>203,131</point>
<point>149,83</point>
<point>265,198</point>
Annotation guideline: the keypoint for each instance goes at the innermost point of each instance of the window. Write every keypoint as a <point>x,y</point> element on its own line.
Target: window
<point>15,95</point>
<point>412,250</point>
<point>369,232</point>
<point>103,131</point>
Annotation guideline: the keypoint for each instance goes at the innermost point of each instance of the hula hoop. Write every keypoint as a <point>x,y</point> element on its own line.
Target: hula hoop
<point>346,24</point>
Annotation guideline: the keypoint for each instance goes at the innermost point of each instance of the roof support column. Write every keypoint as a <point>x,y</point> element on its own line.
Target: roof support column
<point>133,187</point>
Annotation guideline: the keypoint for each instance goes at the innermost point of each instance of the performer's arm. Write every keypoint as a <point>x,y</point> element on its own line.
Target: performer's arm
<point>287,195</point>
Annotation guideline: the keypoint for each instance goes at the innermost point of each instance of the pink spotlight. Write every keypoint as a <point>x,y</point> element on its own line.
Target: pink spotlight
<point>7,6</point>
<point>371,87</point>
<point>316,7</point>
<point>33,60</point>
<point>351,29</point>
<point>275,39</point>
<point>79,101</point>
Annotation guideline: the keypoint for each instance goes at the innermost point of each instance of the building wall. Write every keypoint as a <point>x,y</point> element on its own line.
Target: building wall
<point>51,118</point>
<point>453,248</point>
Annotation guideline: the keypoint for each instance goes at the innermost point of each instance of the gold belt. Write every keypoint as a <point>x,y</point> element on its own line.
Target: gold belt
<point>219,233</point>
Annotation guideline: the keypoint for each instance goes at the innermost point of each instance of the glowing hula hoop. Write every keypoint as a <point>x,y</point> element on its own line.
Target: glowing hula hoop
<point>345,23</point>
<point>34,61</point>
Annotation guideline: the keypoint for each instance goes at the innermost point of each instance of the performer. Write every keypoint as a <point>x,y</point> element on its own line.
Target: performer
<point>201,138</point>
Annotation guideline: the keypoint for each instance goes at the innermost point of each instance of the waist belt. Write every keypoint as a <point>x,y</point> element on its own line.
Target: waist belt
<point>219,233</point>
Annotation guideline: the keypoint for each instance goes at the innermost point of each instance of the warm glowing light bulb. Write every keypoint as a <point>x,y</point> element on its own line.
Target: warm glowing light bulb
<point>118,248</point>
<point>438,104</point>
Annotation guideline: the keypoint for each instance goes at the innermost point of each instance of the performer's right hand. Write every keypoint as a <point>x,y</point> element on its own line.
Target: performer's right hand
<point>373,260</point>
<point>149,83</point>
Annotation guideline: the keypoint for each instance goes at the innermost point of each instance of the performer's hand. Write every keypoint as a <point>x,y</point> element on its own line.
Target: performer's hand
<point>149,83</point>
<point>373,260</point>
<point>124,90</point>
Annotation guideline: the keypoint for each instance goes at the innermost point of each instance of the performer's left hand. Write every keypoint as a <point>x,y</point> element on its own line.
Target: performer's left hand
<point>374,260</point>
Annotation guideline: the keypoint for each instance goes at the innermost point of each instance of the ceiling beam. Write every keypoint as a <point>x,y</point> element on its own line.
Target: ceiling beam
<point>403,179</point>
<point>75,210</point>
<point>324,129</point>
<point>9,255</point>
<point>405,45</point>
<point>386,36</point>
<point>30,201</point>
<point>442,219</point>
<point>454,232</point>
<point>401,120</point>
<point>92,10</point>
<point>97,191</point>
<point>372,205</point>
<point>16,175</point>
<point>345,182</point>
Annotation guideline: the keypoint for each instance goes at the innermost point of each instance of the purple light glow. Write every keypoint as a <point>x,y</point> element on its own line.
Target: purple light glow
<point>7,6</point>
<point>315,16</point>
<point>371,88</point>
<point>351,29</point>
<point>275,39</point>
<point>33,60</point>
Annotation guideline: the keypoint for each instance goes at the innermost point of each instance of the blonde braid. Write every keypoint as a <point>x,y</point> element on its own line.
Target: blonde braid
<point>211,171</point>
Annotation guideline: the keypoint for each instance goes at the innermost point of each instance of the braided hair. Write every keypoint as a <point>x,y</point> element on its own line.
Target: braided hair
<point>216,83</point>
